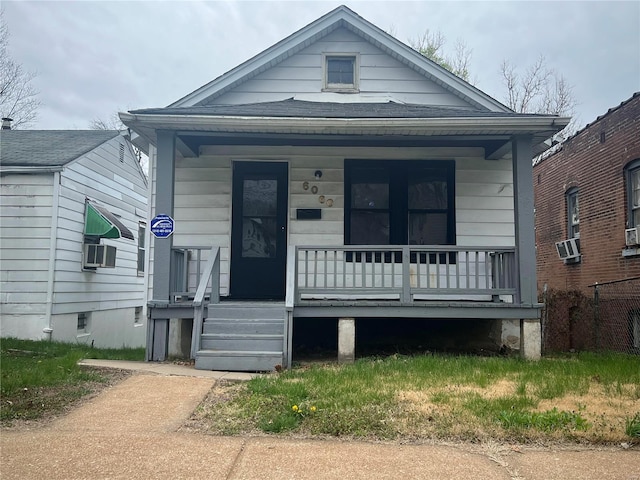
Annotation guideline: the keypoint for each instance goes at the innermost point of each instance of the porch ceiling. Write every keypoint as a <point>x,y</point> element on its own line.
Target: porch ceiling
<point>192,141</point>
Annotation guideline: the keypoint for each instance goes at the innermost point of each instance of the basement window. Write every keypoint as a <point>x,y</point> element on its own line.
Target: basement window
<point>83,322</point>
<point>341,73</point>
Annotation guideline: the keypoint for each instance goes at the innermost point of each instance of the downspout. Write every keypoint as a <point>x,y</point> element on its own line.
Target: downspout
<point>48,330</point>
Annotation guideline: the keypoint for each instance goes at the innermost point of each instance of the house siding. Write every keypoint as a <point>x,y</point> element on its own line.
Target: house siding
<point>597,170</point>
<point>202,210</point>
<point>35,298</point>
<point>25,231</point>
<point>99,176</point>
<point>381,77</point>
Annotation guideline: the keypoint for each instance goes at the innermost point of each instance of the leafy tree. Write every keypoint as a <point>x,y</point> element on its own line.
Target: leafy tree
<point>18,98</point>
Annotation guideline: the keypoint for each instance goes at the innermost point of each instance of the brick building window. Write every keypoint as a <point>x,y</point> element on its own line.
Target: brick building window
<point>632,171</point>
<point>573,213</point>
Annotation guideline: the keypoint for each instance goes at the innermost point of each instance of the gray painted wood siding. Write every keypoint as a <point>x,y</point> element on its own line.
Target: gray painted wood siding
<point>120,187</point>
<point>484,194</point>
<point>301,76</point>
<point>25,232</point>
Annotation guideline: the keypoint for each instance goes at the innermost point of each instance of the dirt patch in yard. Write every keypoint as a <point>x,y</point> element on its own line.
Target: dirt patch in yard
<point>606,411</point>
<point>441,411</point>
<point>39,407</point>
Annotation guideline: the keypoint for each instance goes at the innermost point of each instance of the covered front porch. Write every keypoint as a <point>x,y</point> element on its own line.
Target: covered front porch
<point>345,283</point>
<point>249,197</point>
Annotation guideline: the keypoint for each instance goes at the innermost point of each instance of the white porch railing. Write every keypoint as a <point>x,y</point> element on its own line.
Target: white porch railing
<point>401,273</point>
<point>193,280</point>
<point>187,267</point>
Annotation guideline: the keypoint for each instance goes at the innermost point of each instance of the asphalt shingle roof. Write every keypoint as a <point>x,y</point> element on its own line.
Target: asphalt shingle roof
<point>44,148</point>
<point>300,108</point>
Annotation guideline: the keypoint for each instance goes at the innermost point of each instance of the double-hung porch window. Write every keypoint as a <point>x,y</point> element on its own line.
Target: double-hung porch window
<point>399,202</point>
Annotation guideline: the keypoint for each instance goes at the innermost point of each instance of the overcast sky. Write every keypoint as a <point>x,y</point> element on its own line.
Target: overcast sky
<point>94,58</point>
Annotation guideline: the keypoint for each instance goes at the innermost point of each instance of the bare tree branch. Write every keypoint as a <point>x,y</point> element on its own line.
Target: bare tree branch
<point>18,97</point>
<point>111,123</point>
<point>431,45</point>
<point>539,90</point>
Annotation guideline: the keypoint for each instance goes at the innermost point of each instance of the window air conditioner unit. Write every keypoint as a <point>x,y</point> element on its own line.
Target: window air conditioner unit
<point>99,256</point>
<point>632,236</point>
<point>568,249</point>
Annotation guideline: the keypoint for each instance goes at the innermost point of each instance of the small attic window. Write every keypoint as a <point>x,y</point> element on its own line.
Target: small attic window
<point>341,72</point>
<point>121,152</point>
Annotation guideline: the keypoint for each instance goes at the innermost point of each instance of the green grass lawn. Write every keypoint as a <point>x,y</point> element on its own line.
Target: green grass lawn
<point>39,378</point>
<point>582,397</point>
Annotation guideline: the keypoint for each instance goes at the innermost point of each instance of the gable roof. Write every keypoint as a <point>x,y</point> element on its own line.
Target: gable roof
<point>337,18</point>
<point>48,148</point>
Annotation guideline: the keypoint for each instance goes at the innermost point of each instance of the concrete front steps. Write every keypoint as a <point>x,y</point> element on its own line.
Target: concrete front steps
<point>242,337</point>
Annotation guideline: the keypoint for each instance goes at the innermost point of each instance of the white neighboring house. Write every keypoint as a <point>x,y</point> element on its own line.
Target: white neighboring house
<point>73,211</point>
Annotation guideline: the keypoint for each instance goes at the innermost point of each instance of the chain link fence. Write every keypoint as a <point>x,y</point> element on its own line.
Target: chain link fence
<point>617,315</point>
<point>608,319</point>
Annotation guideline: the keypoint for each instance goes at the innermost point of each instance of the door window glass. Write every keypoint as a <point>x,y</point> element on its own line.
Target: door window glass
<point>259,223</point>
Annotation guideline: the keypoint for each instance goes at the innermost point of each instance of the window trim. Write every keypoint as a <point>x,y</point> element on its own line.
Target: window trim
<point>631,169</point>
<point>572,195</point>
<point>142,242</point>
<point>398,196</point>
<point>341,87</point>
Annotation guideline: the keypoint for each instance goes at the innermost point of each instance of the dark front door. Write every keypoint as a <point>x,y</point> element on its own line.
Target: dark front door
<point>259,230</point>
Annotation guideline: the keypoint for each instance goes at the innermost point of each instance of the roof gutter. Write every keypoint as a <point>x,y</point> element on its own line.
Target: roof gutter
<point>405,126</point>
<point>28,169</point>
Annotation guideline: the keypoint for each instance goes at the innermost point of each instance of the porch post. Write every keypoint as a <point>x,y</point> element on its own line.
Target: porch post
<point>526,288</point>
<point>158,339</point>
<point>523,210</point>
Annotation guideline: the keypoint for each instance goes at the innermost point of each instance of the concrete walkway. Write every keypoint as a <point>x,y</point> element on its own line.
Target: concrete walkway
<point>130,431</point>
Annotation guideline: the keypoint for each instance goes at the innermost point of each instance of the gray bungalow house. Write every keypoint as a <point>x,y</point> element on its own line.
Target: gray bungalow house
<point>338,175</point>
<point>73,209</point>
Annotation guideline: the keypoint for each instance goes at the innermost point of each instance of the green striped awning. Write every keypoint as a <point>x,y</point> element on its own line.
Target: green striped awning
<point>100,222</point>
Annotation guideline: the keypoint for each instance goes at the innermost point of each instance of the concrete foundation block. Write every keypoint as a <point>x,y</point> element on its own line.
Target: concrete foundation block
<point>179,342</point>
<point>346,340</point>
<point>531,339</point>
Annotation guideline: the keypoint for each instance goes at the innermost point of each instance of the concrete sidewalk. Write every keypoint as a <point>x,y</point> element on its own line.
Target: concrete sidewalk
<point>132,431</point>
<point>167,368</point>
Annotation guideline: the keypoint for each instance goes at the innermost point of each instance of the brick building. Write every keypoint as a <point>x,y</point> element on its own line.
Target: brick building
<point>587,198</point>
